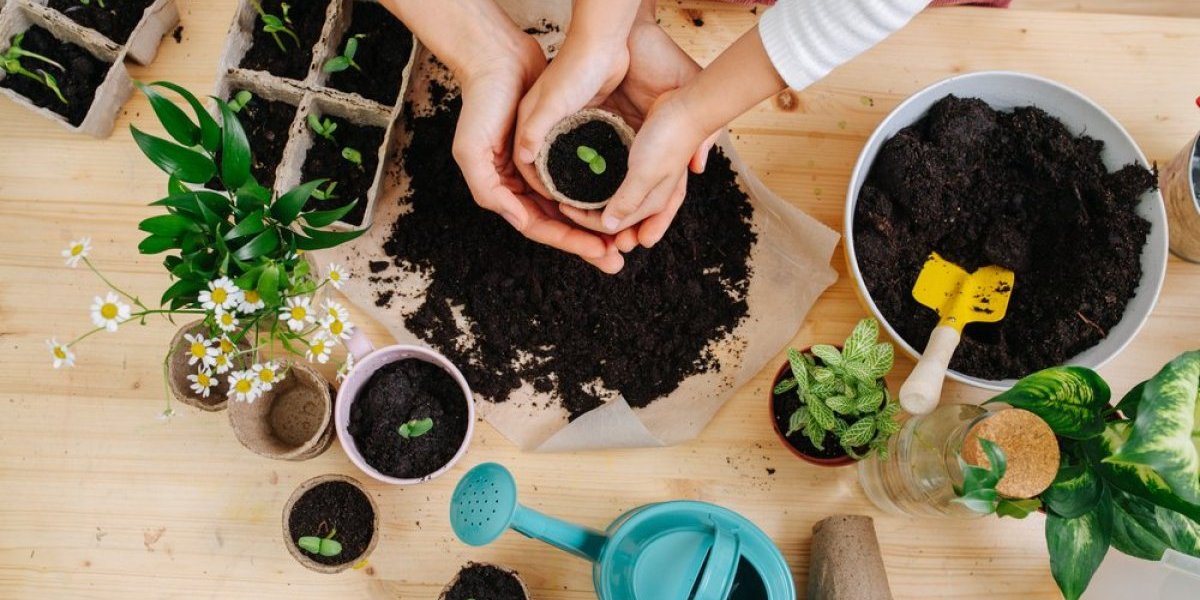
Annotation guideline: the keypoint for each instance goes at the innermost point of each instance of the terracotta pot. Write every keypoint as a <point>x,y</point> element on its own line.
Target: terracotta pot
<point>624,131</point>
<point>301,556</point>
<point>293,421</point>
<point>178,371</point>
<point>837,461</point>
<point>453,582</point>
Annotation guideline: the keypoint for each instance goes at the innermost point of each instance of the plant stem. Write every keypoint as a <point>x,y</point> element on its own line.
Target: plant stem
<point>110,284</point>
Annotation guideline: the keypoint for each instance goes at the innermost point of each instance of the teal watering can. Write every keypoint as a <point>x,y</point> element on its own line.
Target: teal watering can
<point>678,550</point>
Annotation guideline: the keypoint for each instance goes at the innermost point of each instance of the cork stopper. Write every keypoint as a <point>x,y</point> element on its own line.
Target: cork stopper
<point>624,131</point>
<point>1029,446</point>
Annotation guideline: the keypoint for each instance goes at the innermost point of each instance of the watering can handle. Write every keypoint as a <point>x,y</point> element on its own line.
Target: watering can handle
<point>923,389</point>
<point>583,542</point>
<point>359,345</point>
<point>716,580</point>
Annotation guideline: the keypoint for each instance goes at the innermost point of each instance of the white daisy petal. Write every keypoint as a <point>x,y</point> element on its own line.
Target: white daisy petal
<point>200,350</point>
<point>61,353</point>
<point>251,302</point>
<point>221,293</point>
<point>337,275</point>
<point>298,313</point>
<point>226,320</point>
<point>319,349</point>
<point>109,312</point>
<point>243,386</point>
<point>77,251</point>
<point>202,382</point>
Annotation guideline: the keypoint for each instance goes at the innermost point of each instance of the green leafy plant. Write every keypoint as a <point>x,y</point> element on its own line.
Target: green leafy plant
<point>323,546</point>
<point>322,127</point>
<point>10,61</point>
<point>327,193</point>
<point>416,428</point>
<point>1130,475</point>
<point>345,60</point>
<point>352,156</point>
<point>978,491</point>
<point>276,25</point>
<point>594,161</point>
<point>239,101</point>
<point>842,392</point>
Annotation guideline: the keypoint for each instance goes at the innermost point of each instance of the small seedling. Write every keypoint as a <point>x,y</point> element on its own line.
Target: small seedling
<point>89,3</point>
<point>352,156</point>
<point>338,64</point>
<point>240,100</point>
<point>276,25</point>
<point>322,127</point>
<point>978,492</point>
<point>327,193</point>
<point>593,159</point>
<point>12,65</point>
<point>324,546</point>
<point>416,428</point>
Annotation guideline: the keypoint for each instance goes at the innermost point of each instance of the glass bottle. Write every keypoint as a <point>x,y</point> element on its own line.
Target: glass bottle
<point>919,476</point>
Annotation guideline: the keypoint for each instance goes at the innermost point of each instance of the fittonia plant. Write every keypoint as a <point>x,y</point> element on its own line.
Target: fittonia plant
<point>10,61</point>
<point>843,392</point>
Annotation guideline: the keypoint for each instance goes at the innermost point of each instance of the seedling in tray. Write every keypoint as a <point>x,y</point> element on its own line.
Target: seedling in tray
<point>275,25</point>
<point>416,428</point>
<point>345,61</point>
<point>12,65</point>
<point>326,193</point>
<point>89,3</point>
<point>239,101</point>
<point>352,156</point>
<point>324,546</point>
<point>322,127</point>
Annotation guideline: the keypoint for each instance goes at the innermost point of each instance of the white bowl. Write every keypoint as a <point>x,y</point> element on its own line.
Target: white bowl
<point>1005,91</point>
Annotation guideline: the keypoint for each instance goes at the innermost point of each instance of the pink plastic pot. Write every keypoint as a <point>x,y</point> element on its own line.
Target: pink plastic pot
<point>367,360</point>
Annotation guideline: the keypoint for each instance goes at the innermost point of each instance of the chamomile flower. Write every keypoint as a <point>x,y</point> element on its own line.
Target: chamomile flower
<point>319,349</point>
<point>252,302</point>
<point>336,323</point>
<point>334,309</point>
<point>61,352</point>
<point>199,350</point>
<point>222,363</point>
<point>203,382</point>
<point>336,276</point>
<point>225,345</point>
<point>344,370</point>
<point>77,251</point>
<point>221,293</point>
<point>298,313</point>
<point>226,320</point>
<point>243,386</point>
<point>109,312</point>
<point>268,374</point>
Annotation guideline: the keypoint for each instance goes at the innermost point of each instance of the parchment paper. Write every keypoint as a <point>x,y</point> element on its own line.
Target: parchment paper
<point>790,270</point>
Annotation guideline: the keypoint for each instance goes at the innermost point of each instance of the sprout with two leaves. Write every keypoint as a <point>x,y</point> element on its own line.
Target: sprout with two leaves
<point>10,61</point>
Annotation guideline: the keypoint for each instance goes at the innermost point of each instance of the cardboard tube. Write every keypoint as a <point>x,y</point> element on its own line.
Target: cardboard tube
<point>846,563</point>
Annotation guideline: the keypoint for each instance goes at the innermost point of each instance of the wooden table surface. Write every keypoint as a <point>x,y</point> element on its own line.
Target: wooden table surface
<point>104,500</point>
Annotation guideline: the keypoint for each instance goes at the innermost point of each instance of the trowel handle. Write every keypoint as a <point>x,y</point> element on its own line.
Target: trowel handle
<point>923,389</point>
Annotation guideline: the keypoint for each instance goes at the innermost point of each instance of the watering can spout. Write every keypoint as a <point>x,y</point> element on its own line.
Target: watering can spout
<point>581,541</point>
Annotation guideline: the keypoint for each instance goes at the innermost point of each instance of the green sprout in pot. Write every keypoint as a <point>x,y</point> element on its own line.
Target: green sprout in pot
<point>11,63</point>
<point>323,127</point>
<point>100,3</point>
<point>594,161</point>
<point>1129,476</point>
<point>345,60</point>
<point>323,546</point>
<point>843,392</point>
<point>352,156</point>
<point>239,101</point>
<point>276,25</point>
<point>327,193</point>
<point>416,428</point>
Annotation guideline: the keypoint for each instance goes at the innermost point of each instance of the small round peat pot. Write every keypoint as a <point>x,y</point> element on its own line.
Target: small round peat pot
<point>585,158</point>
<point>291,421</point>
<point>782,406</point>
<point>178,371</point>
<point>1181,187</point>
<point>330,523</point>
<point>404,414</point>
<point>479,581</point>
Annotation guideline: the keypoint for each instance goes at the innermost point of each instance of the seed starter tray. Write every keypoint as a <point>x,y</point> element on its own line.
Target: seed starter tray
<point>17,16</point>
<point>312,96</point>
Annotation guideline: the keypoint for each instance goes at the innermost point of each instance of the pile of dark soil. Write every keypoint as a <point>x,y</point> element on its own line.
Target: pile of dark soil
<point>325,161</point>
<point>334,505</point>
<point>116,20</point>
<point>400,392</point>
<point>1015,189</point>
<point>573,177</point>
<point>539,315</point>
<point>266,123</point>
<point>382,53</point>
<point>84,73</point>
<point>307,20</point>
<point>481,582</point>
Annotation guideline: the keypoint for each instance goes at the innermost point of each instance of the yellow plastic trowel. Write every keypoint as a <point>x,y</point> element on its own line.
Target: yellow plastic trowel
<point>959,298</point>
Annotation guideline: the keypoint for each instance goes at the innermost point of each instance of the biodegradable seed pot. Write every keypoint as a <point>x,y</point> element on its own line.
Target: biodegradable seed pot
<point>404,414</point>
<point>330,523</point>
<point>846,562</point>
<point>178,371</point>
<point>291,421</point>
<point>585,158</point>
<point>1181,188</point>
<point>284,36</point>
<point>77,74</point>
<point>115,19</point>
<point>382,49</point>
<point>479,581</point>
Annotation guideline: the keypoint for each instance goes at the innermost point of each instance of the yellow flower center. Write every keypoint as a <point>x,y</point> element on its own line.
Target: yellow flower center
<point>318,348</point>
<point>108,310</point>
<point>243,386</point>
<point>202,379</point>
<point>227,319</point>
<point>252,297</point>
<point>221,360</point>
<point>266,375</point>
<point>77,249</point>
<point>335,276</point>
<point>336,327</point>
<point>298,313</point>
<point>219,295</point>
<point>59,353</point>
<point>226,346</point>
<point>199,350</point>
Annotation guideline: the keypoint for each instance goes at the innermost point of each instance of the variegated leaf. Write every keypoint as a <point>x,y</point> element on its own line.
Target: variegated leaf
<point>785,386</point>
<point>1069,399</point>
<point>840,404</point>
<point>799,369</point>
<point>861,339</point>
<point>880,360</point>
<point>828,355</point>
<point>1075,490</point>
<point>857,371</point>
<point>816,436</point>
<point>823,375</point>
<point>821,414</point>
<point>869,402</point>
<point>859,434</point>
<point>798,421</point>
<point>1077,546</point>
<point>1144,530</point>
<point>1138,480</point>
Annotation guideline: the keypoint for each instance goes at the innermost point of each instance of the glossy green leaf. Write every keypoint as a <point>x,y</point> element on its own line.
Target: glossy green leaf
<point>176,187</point>
<point>1129,404</point>
<point>319,240</point>
<point>235,149</point>
<point>184,288</point>
<point>181,163</point>
<point>1075,490</point>
<point>175,121</point>
<point>169,226</point>
<point>336,64</point>
<point>982,501</point>
<point>1166,433</point>
<point>1017,509</point>
<point>288,207</point>
<point>1138,480</point>
<point>260,245</point>
<point>1145,530</point>
<point>268,286</point>
<point>1070,399</point>
<point>861,340</point>
<point>210,132</point>
<point>1077,546</point>
<point>185,203</point>
<point>249,225</point>
<point>249,279</point>
<point>324,218</point>
<point>155,244</point>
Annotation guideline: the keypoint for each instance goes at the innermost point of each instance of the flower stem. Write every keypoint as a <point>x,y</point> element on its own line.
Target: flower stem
<point>110,284</point>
